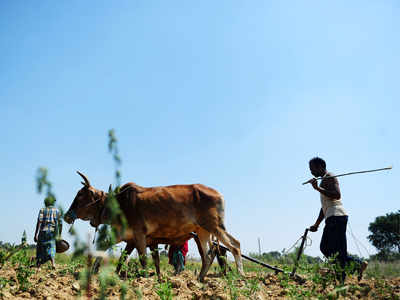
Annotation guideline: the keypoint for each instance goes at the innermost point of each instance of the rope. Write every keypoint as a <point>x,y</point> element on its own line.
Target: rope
<point>307,243</point>
<point>355,241</point>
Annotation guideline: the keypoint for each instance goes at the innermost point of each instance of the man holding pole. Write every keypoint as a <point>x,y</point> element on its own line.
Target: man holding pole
<point>333,241</point>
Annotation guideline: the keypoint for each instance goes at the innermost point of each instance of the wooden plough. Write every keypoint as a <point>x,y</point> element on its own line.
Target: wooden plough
<point>276,269</point>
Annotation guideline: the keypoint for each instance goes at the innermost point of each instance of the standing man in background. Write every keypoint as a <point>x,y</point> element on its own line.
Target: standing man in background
<point>48,229</point>
<point>333,241</point>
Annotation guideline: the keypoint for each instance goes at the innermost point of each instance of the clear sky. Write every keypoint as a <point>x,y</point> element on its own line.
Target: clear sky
<point>237,95</point>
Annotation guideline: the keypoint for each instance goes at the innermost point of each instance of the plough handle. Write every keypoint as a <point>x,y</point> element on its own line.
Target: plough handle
<point>300,251</point>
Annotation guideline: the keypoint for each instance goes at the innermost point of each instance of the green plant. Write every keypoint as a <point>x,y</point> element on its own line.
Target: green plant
<point>106,278</point>
<point>23,274</point>
<point>123,290</point>
<point>231,278</point>
<point>164,290</point>
<point>108,235</point>
<point>3,256</point>
<point>21,263</point>
<point>138,293</point>
<point>71,267</point>
<point>252,286</point>
<point>3,283</point>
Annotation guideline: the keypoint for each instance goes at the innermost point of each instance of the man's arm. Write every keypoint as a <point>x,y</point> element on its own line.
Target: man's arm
<point>59,223</point>
<point>36,231</point>
<point>39,221</point>
<point>314,227</point>
<point>328,187</point>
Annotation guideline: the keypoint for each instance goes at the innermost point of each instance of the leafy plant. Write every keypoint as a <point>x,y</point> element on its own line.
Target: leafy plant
<point>231,278</point>
<point>3,283</point>
<point>109,236</point>
<point>23,274</point>
<point>107,278</point>
<point>252,286</point>
<point>164,290</point>
<point>23,271</point>
<point>138,293</point>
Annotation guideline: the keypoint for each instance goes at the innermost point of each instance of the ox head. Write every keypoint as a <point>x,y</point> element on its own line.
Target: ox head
<point>86,204</point>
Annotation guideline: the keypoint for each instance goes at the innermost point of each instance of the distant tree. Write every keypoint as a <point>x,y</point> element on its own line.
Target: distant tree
<point>385,234</point>
<point>275,257</point>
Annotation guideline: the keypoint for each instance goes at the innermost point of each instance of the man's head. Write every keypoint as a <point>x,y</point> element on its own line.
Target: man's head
<point>317,166</point>
<point>49,201</point>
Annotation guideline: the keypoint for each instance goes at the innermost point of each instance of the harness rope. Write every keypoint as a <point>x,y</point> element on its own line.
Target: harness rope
<point>307,243</point>
<point>356,241</point>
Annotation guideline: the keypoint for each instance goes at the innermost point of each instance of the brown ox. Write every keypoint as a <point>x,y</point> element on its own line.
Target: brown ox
<point>161,215</point>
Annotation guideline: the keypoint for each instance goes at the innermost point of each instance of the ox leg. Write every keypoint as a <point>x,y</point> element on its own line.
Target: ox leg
<point>156,259</point>
<point>220,253</point>
<point>222,260</point>
<point>233,245</point>
<point>196,239</point>
<point>204,239</point>
<point>213,253</point>
<point>127,251</point>
<point>141,248</point>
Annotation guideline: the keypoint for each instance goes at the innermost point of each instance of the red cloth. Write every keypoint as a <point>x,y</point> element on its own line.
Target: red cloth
<point>183,248</point>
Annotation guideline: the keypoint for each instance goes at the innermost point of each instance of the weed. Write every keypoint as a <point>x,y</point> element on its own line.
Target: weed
<point>3,283</point>
<point>23,274</point>
<point>123,290</point>
<point>231,278</point>
<point>164,290</point>
<point>252,286</point>
<point>138,293</point>
<point>107,278</point>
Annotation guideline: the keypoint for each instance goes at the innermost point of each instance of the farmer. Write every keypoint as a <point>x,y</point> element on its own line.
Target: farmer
<point>333,241</point>
<point>48,228</point>
<point>177,256</point>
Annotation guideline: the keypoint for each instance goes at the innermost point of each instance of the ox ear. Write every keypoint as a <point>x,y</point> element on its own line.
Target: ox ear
<point>87,183</point>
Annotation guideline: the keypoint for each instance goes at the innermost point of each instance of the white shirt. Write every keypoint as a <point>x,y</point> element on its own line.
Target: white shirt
<point>332,207</point>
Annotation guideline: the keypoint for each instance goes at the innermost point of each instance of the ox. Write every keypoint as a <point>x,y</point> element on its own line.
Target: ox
<point>167,214</point>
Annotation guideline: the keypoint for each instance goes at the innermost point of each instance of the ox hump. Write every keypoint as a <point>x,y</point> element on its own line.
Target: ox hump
<point>207,190</point>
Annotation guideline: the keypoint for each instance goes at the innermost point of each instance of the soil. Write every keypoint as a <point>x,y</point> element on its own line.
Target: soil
<point>49,284</point>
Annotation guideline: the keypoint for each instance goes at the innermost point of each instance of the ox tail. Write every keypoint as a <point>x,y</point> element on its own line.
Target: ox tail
<point>221,212</point>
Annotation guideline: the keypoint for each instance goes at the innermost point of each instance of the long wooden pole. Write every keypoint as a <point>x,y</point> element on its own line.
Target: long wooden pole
<point>351,173</point>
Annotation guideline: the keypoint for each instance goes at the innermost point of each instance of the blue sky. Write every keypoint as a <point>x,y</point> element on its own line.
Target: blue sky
<point>237,95</point>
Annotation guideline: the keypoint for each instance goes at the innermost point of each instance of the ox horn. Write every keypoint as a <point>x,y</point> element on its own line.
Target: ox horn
<point>87,183</point>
